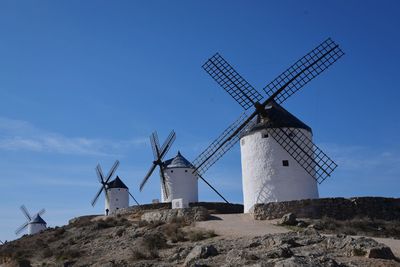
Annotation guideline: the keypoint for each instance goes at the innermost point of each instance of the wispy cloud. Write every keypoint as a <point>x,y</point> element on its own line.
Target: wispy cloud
<point>362,158</point>
<point>21,135</point>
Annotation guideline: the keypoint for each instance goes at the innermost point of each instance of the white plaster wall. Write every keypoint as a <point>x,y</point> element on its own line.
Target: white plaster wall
<point>264,177</point>
<point>34,228</point>
<point>182,183</point>
<point>118,198</point>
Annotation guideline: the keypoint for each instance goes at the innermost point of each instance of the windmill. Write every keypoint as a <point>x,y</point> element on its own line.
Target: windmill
<point>34,223</point>
<point>178,177</point>
<point>271,137</point>
<point>115,191</point>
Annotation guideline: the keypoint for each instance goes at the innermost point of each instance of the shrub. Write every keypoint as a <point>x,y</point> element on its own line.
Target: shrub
<point>142,223</point>
<point>24,263</point>
<point>102,225</point>
<point>148,246</point>
<point>139,255</point>
<point>68,254</point>
<point>58,232</point>
<point>47,253</point>
<point>197,235</point>
<point>154,241</point>
<point>120,232</point>
<point>155,224</point>
<point>173,232</point>
<point>359,252</point>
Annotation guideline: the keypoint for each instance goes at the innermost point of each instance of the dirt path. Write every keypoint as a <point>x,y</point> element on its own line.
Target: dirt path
<point>238,225</point>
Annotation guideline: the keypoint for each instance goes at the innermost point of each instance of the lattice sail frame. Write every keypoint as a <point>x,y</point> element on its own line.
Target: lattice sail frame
<point>301,148</point>
<point>218,148</point>
<point>28,217</point>
<point>304,70</point>
<point>232,82</point>
<point>159,153</point>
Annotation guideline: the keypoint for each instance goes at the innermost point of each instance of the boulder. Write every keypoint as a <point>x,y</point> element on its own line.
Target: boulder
<point>280,252</point>
<point>288,219</point>
<point>200,252</point>
<point>302,224</point>
<point>382,252</point>
<point>236,257</point>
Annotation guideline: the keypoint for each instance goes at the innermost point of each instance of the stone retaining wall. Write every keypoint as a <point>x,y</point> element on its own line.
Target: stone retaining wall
<point>219,207</point>
<point>337,208</point>
<point>212,207</point>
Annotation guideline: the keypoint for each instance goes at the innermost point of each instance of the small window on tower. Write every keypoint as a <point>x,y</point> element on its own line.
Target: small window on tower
<point>285,163</point>
<point>185,170</point>
<point>172,170</point>
<point>116,199</point>
<point>265,135</point>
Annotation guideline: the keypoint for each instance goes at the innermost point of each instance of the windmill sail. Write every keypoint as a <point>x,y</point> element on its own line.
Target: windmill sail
<point>231,81</point>
<point>280,89</point>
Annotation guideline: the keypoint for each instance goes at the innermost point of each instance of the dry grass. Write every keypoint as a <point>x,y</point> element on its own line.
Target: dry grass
<point>148,245</point>
<point>68,254</point>
<point>359,226</point>
<point>198,235</point>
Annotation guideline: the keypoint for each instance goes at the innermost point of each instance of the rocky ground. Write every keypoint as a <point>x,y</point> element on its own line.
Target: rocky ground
<point>170,238</point>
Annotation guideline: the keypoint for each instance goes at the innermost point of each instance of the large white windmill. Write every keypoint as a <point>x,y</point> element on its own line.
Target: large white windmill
<point>178,177</point>
<point>279,160</point>
<point>34,223</point>
<point>115,191</point>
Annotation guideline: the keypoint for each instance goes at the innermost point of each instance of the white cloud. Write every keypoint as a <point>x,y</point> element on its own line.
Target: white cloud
<point>21,135</point>
<point>360,158</point>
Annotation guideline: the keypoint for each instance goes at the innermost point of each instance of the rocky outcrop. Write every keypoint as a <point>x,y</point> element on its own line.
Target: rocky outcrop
<point>200,252</point>
<point>337,208</point>
<point>188,215</point>
<point>127,241</point>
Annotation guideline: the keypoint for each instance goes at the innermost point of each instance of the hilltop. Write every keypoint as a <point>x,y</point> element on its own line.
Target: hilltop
<point>197,236</point>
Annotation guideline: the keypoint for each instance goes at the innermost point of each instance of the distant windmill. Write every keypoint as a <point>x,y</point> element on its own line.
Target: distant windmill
<point>115,191</point>
<point>282,167</point>
<point>34,223</point>
<point>178,176</point>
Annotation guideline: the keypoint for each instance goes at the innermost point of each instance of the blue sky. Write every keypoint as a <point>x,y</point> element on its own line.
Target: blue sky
<point>86,82</point>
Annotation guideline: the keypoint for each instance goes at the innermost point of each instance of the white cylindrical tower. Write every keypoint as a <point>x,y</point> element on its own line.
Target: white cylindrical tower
<point>181,182</point>
<point>36,225</point>
<point>117,196</point>
<point>269,172</point>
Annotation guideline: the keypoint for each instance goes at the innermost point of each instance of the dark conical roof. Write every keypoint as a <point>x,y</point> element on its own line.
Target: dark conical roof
<point>116,183</point>
<point>278,117</point>
<point>37,219</point>
<point>178,161</point>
